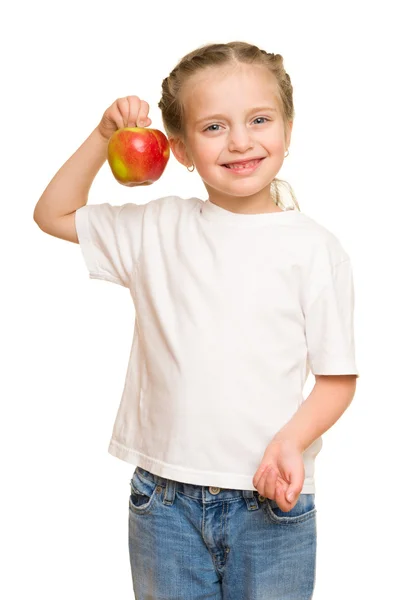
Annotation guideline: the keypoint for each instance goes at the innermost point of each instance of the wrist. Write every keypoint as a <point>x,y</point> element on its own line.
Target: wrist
<point>287,439</point>
<point>101,136</point>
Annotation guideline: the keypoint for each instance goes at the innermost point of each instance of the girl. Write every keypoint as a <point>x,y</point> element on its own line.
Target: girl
<point>236,298</point>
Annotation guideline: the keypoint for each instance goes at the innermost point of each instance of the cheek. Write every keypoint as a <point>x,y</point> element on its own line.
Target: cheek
<point>207,153</point>
<point>275,143</point>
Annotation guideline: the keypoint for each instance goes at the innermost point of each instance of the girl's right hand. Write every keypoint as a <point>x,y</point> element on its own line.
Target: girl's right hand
<point>124,112</point>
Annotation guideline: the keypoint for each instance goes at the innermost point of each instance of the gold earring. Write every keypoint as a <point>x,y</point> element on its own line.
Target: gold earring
<point>191,170</point>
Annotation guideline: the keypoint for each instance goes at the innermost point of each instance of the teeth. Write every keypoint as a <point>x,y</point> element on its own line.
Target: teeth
<point>242,165</point>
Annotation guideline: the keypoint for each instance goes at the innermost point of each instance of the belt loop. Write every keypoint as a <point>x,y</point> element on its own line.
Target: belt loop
<point>251,501</point>
<point>169,495</point>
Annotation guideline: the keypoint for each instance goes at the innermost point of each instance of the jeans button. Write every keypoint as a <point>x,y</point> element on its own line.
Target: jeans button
<point>261,498</point>
<point>214,490</point>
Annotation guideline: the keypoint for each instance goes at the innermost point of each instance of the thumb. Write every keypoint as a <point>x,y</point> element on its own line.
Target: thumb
<point>296,482</point>
<point>290,495</point>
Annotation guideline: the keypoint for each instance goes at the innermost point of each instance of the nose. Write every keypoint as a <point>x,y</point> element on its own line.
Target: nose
<point>240,139</point>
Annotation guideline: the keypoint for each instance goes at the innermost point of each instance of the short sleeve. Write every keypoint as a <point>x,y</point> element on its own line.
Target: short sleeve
<point>109,237</point>
<point>329,325</point>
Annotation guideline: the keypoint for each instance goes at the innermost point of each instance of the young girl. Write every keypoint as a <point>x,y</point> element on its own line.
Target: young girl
<point>236,298</point>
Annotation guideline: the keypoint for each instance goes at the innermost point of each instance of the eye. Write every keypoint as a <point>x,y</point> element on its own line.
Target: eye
<point>213,125</point>
<point>258,118</point>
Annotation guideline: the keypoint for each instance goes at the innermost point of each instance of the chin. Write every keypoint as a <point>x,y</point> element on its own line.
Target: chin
<point>244,190</point>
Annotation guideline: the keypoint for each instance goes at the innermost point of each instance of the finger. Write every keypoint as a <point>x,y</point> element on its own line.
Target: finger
<point>143,119</point>
<point>268,483</point>
<point>124,108</point>
<point>262,481</point>
<point>116,116</point>
<point>258,475</point>
<point>281,498</point>
<point>271,481</point>
<point>134,105</point>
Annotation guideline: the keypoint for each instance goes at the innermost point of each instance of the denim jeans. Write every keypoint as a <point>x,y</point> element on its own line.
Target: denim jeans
<point>192,542</point>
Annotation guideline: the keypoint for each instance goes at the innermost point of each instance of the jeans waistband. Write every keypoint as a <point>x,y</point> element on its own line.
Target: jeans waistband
<point>204,493</point>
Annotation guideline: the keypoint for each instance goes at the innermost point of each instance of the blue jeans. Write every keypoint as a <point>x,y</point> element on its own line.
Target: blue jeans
<point>192,542</point>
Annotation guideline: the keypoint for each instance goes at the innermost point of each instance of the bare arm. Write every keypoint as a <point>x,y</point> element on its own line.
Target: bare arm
<point>69,188</point>
<point>328,400</point>
<point>68,191</point>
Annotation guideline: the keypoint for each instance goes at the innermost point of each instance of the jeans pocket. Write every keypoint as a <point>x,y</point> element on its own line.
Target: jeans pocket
<point>142,494</point>
<point>303,510</point>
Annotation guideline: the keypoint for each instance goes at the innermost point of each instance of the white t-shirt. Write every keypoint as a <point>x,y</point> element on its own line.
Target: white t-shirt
<point>231,312</point>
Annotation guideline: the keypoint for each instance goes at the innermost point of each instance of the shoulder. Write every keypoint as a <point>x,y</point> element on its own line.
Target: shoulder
<point>171,203</point>
<point>156,209</point>
<point>320,241</point>
<point>325,259</point>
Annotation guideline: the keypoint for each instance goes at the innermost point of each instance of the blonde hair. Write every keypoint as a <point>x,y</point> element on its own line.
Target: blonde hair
<point>222,54</point>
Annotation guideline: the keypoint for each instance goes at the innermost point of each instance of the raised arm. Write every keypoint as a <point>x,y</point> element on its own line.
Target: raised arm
<point>68,191</point>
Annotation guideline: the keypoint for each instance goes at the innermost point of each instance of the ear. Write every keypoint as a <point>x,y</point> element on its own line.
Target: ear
<point>180,152</point>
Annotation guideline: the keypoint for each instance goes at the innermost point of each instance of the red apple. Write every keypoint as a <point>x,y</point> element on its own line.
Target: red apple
<point>137,155</point>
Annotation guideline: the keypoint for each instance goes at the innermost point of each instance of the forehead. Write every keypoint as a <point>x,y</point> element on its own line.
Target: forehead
<point>228,88</point>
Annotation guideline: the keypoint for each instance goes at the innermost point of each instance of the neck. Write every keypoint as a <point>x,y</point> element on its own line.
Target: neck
<point>262,202</point>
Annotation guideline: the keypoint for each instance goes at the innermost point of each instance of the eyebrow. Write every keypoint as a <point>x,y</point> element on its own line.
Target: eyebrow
<point>220,116</point>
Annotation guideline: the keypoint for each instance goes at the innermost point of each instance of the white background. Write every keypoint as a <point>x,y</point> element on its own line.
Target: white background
<point>65,339</point>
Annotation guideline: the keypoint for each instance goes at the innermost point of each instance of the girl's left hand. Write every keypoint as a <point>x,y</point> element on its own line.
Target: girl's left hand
<point>280,474</point>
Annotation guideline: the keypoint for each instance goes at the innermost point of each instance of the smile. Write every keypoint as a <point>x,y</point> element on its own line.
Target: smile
<point>244,167</point>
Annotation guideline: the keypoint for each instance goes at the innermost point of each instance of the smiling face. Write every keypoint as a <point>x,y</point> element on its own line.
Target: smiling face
<point>231,115</point>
